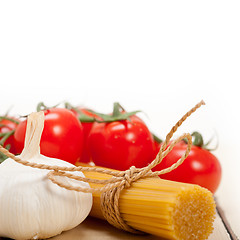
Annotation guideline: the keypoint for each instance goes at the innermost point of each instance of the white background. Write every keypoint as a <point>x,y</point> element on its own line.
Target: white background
<point>158,56</point>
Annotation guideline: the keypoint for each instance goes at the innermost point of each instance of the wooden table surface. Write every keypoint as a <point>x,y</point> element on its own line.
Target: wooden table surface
<point>92,229</point>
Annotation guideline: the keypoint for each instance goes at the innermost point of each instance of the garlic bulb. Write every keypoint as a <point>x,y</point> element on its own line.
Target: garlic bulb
<point>31,206</point>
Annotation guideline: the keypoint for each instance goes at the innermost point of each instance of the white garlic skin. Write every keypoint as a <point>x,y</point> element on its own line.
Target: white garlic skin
<point>32,207</point>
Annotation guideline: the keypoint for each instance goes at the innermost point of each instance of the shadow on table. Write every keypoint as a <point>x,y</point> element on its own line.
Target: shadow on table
<point>94,229</point>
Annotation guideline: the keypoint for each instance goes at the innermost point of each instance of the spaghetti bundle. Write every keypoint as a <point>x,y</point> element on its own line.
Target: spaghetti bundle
<point>168,209</point>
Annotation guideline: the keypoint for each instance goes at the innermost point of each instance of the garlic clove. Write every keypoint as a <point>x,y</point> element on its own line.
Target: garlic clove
<point>31,206</point>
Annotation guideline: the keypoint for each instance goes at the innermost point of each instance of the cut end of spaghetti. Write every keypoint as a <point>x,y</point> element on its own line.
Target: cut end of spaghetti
<point>193,214</point>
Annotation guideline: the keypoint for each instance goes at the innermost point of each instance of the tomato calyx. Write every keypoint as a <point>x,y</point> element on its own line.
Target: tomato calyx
<point>82,117</point>
<point>41,106</point>
<point>118,114</point>
<point>197,139</point>
<point>199,142</point>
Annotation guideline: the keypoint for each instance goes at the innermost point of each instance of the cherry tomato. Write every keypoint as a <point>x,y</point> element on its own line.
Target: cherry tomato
<point>62,135</point>
<point>121,144</point>
<point>200,167</point>
<point>156,144</point>
<point>87,126</point>
<point>7,127</point>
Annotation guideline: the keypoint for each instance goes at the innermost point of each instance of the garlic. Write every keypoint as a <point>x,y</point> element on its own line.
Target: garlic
<point>31,206</point>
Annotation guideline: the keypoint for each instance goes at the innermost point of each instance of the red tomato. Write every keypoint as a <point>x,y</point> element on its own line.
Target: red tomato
<point>156,147</point>
<point>87,126</point>
<point>7,127</point>
<point>121,144</point>
<point>200,167</point>
<point>62,135</point>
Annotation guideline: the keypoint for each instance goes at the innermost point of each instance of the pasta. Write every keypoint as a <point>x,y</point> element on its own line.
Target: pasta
<point>168,209</point>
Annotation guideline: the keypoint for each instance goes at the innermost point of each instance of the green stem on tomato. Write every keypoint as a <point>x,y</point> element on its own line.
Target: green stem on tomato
<point>5,136</point>
<point>82,117</point>
<point>3,156</point>
<point>2,141</point>
<point>9,119</point>
<point>197,139</point>
<point>41,106</point>
<point>214,148</point>
<point>156,138</point>
<point>116,109</point>
<point>118,114</point>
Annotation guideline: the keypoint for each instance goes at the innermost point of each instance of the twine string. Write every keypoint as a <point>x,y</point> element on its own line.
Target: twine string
<point>112,187</point>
